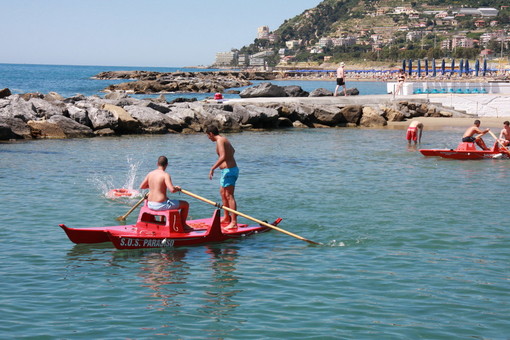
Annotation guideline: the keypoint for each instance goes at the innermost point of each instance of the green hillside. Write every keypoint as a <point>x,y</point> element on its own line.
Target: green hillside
<point>387,30</point>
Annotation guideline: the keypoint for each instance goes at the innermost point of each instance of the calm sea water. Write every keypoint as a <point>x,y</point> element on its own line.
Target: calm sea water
<point>414,247</point>
<point>70,80</point>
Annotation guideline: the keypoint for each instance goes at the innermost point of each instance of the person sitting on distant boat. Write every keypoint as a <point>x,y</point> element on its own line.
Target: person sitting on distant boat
<point>158,181</point>
<point>414,132</point>
<point>504,135</point>
<point>471,131</point>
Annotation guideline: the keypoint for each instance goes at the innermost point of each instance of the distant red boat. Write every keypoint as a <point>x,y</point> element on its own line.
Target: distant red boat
<point>156,229</point>
<point>467,151</point>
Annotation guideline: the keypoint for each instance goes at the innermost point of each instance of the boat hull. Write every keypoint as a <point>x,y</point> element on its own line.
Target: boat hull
<point>466,151</point>
<point>162,230</point>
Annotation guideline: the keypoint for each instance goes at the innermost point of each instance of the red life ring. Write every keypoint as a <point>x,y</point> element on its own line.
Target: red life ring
<point>122,193</point>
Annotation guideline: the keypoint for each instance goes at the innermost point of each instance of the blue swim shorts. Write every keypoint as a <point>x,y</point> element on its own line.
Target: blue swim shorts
<point>229,176</point>
<point>165,205</point>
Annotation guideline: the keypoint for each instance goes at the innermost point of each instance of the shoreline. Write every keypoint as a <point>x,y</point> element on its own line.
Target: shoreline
<point>453,123</point>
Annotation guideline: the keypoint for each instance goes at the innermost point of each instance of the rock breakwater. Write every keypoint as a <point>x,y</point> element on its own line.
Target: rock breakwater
<point>36,115</point>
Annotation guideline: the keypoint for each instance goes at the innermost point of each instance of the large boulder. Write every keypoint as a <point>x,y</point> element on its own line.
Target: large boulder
<point>372,117</point>
<point>126,123</point>
<point>295,91</point>
<point>263,90</point>
<point>258,117</point>
<point>328,115</point>
<point>45,109</point>
<point>53,96</point>
<point>18,108</point>
<point>5,93</point>
<point>163,108</point>
<point>304,114</point>
<point>352,113</point>
<point>79,115</point>
<point>224,120</point>
<point>13,128</point>
<point>393,115</point>
<point>102,119</point>
<point>152,121</point>
<point>321,92</point>
<point>59,127</point>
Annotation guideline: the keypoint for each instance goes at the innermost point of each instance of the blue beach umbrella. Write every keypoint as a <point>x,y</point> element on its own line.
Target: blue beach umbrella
<point>419,68</point>
<point>466,67</point>
<point>404,65</point>
<point>426,67</point>
<point>453,66</point>
<point>434,67</point>
<point>410,66</point>
<point>443,67</point>
<point>484,67</point>
<point>461,67</point>
<point>477,67</point>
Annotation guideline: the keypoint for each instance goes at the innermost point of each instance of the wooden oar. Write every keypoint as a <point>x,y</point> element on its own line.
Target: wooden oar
<point>123,217</point>
<point>500,143</point>
<point>220,206</point>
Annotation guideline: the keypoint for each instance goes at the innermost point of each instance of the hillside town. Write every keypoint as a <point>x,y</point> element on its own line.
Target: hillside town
<point>406,31</point>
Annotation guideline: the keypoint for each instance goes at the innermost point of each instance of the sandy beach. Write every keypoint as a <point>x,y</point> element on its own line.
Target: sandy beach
<point>456,124</point>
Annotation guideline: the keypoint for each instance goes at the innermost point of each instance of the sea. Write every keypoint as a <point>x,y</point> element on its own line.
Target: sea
<point>412,247</point>
<point>71,80</point>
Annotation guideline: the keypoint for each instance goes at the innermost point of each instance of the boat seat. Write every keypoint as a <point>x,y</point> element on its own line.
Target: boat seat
<point>166,218</point>
<point>466,146</point>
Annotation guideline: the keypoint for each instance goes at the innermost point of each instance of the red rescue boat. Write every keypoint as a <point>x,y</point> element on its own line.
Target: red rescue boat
<point>156,229</point>
<point>468,151</point>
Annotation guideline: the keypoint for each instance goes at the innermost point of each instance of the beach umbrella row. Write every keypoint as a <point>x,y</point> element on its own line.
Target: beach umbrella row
<point>464,67</point>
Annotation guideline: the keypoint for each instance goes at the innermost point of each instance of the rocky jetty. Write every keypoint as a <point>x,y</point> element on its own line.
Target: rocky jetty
<point>146,82</point>
<point>36,115</point>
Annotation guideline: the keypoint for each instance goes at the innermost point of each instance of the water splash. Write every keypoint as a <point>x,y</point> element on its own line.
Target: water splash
<point>107,184</point>
<point>335,243</point>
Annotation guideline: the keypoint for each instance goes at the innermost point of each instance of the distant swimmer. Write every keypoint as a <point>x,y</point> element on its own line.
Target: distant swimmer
<point>414,132</point>
<point>471,131</point>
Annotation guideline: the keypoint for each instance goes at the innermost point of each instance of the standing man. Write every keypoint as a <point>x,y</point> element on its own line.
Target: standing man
<point>229,173</point>
<point>158,181</point>
<point>340,76</point>
<point>470,132</point>
<point>504,135</point>
<point>414,132</point>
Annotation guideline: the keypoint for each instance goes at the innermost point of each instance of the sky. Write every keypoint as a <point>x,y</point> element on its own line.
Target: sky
<point>171,33</point>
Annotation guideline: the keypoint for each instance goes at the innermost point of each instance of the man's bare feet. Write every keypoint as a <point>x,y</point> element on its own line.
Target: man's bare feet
<point>231,226</point>
<point>225,219</point>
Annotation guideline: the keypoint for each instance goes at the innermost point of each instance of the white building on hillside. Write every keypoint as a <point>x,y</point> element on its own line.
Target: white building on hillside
<point>263,32</point>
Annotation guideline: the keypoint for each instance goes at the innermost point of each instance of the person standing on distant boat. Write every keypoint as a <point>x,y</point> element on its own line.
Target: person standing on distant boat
<point>229,173</point>
<point>504,135</point>
<point>340,78</point>
<point>158,182</point>
<point>470,132</point>
<point>414,132</point>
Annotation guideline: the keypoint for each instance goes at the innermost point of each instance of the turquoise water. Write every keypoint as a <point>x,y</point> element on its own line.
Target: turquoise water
<point>414,247</point>
<point>68,80</point>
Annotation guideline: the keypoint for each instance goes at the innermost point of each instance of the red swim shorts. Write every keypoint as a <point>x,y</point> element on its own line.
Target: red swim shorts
<point>411,134</point>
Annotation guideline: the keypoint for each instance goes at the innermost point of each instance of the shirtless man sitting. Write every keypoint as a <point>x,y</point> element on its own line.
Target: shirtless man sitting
<point>471,131</point>
<point>504,136</point>
<point>158,181</point>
